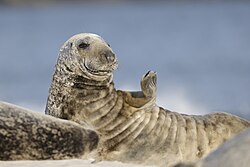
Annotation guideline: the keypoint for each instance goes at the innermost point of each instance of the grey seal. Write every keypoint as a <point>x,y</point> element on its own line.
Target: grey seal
<point>27,135</point>
<point>131,126</point>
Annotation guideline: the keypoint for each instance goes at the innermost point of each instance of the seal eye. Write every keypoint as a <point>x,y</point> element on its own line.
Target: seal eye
<point>84,45</point>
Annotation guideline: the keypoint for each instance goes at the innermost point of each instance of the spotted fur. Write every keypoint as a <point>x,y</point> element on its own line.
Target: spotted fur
<point>26,135</point>
<point>131,126</point>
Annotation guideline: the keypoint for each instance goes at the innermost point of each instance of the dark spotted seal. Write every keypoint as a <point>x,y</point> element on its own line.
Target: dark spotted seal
<point>131,126</point>
<point>27,135</point>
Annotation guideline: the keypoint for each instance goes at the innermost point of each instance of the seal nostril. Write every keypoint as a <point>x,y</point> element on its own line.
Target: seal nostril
<point>110,57</point>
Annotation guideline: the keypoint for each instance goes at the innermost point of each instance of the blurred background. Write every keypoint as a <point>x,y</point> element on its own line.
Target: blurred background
<point>200,49</point>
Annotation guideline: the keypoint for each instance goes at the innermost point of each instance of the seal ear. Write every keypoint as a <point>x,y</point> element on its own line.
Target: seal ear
<point>68,56</point>
<point>67,52</point>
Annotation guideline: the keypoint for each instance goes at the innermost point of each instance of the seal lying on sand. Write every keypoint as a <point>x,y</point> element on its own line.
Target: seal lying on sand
<point>26,135</point>
<point>131,126</point>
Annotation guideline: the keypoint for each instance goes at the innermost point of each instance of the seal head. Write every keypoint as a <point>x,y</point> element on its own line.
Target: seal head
<point>87,55</point>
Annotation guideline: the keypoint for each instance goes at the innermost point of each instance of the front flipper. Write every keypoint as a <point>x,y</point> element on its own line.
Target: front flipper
<point>148,93</point>
<point>148,84</point>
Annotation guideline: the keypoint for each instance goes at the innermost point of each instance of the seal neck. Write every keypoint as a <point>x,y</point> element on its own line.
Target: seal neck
<point>75,77</point>
<point>81,82</point>
<point>72,92</point>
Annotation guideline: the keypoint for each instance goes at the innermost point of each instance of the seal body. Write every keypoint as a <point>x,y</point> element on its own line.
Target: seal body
<point>26,135</point>
<point>234,152</point>
<point>131,126</point>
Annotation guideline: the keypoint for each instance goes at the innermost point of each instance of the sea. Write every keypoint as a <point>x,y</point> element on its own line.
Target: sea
<point>200,50</point>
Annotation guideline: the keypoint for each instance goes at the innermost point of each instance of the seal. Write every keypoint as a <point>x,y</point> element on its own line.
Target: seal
<point>132,128</point>
<point>27,135</point>
<point>234,152</point>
